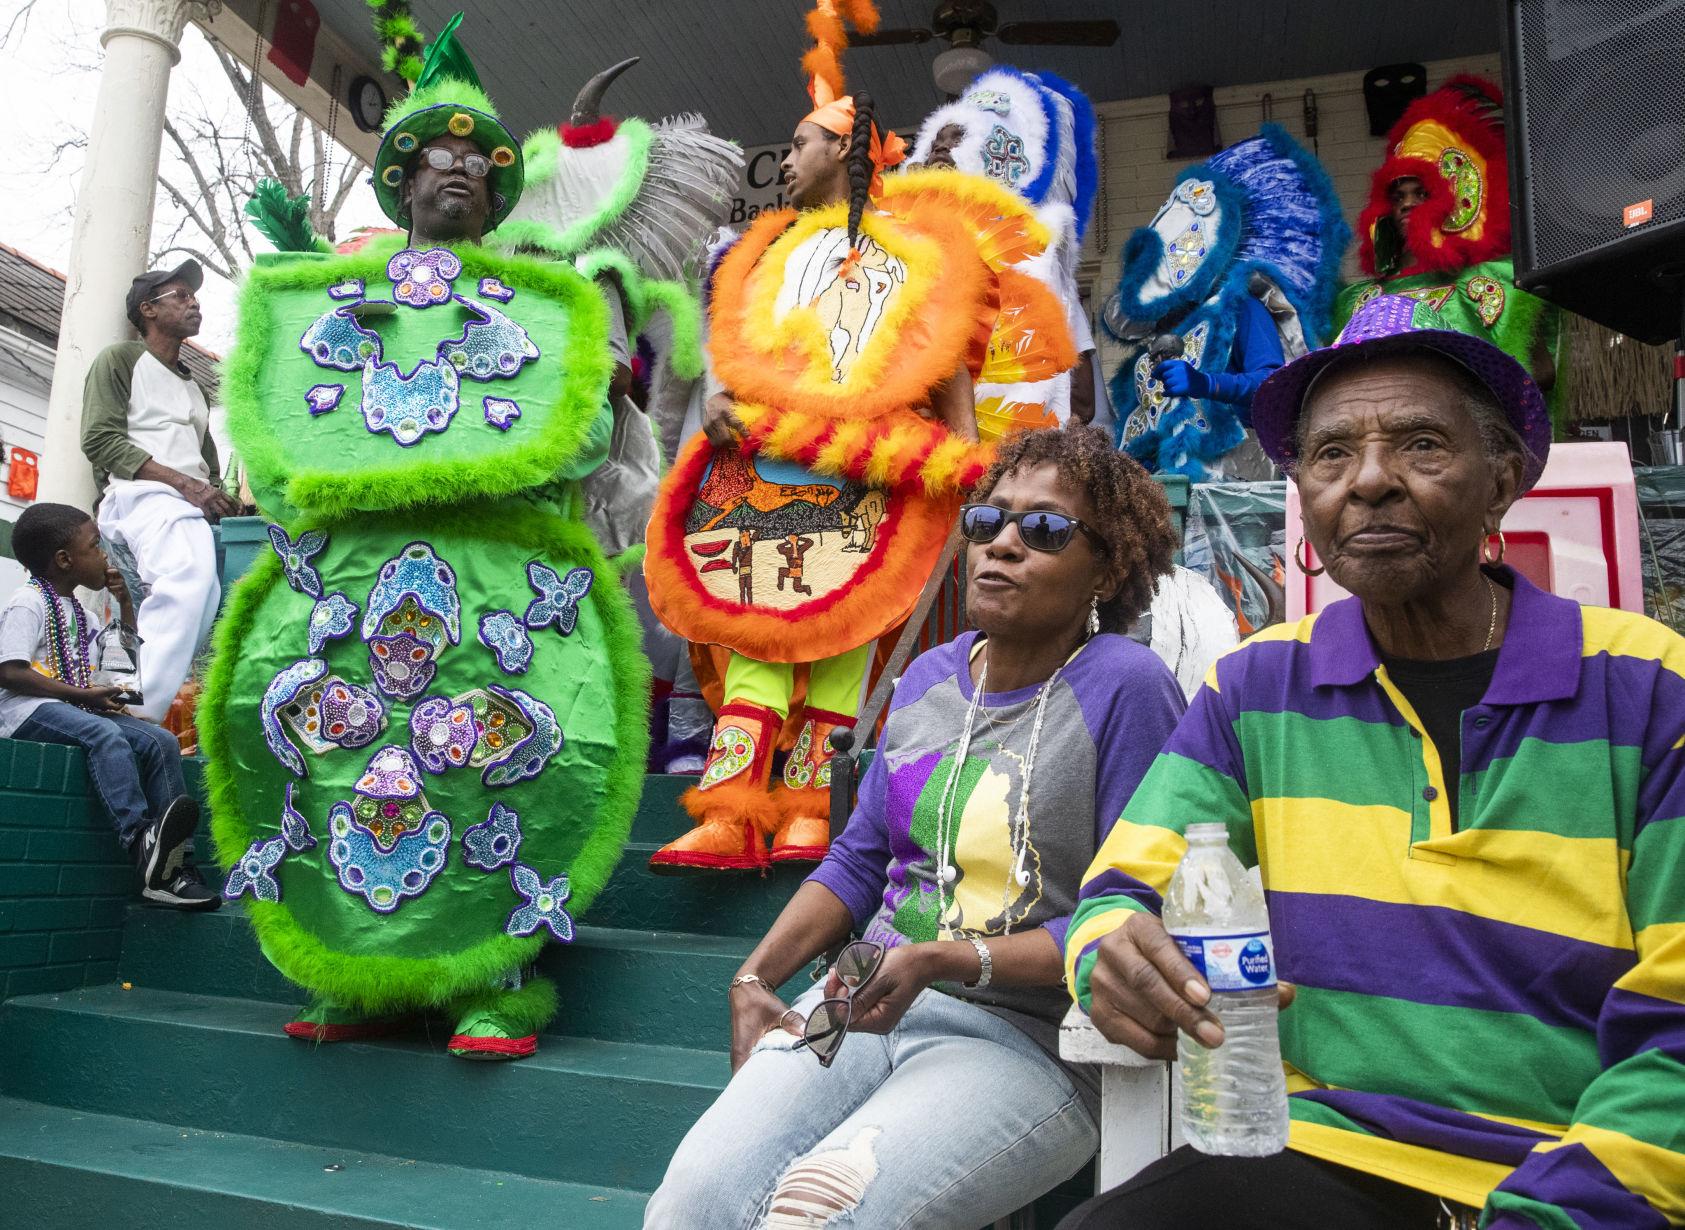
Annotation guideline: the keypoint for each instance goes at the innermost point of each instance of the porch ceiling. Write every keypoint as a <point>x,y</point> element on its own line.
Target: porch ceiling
<point>735,60</point>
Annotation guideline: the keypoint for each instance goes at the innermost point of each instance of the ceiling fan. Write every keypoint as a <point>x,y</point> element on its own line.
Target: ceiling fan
<point>966,23</point>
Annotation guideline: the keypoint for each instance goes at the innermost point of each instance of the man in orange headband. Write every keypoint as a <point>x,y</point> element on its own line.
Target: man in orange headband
<point>815,174</point>
<point>837,117</point>
<point>819,421</point>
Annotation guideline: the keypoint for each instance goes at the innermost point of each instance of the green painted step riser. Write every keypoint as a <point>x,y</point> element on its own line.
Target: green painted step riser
<point>619,994</point>
<point>625,996</point>
<point>570,1126</point>
<point>63,1167</point>
<point>44,1196</point>
<point>711,903</point>
<point>660,818</point>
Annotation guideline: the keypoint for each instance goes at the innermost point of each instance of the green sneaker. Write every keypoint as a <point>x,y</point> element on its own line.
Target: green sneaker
<point>483,1033</point>
<point>326,1021</point>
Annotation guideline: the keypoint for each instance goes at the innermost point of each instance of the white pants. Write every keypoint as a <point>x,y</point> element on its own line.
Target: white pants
<point>176,555</point>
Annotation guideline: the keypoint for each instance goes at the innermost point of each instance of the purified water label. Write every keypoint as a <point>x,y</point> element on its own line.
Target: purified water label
<point>1244,962</point>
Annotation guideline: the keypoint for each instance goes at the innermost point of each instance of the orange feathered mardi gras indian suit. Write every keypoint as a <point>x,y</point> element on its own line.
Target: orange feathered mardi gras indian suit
<point>813,535</point>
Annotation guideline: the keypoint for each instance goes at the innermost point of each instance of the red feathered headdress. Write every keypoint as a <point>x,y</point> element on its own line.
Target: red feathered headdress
<point>1453,142</point>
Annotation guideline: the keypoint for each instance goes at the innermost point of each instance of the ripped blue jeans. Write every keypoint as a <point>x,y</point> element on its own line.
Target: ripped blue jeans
<point>951,1120</point>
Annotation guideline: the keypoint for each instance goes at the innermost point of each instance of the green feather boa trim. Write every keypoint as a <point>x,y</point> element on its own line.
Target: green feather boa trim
<point>528,459</point>
<point>684,309</point>
<point>386,984</point>
<point>630,560</point>
<point>644,297</point>
<point>452,90</point>
<point>542,155</point>
<point>401,40</point>
<point>522,1010</point>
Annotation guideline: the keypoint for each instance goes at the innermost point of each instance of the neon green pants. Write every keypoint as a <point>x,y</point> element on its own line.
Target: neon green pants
<point>833,684</point>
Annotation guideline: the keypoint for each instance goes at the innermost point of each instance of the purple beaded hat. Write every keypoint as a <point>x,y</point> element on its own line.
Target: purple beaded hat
<point>1276,405</point>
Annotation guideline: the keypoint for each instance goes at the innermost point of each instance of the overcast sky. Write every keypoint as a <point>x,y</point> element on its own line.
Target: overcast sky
<point>49,77</point>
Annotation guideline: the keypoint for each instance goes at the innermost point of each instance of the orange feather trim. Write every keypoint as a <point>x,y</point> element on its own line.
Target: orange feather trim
<point>926,331</point>
<point>862,14</point>
<point>754,805</point>
<point>1031,340</point>
<point>822,65</point>
<point>907,450</point>
<point>880,595</point>
<point>1001,223</point>
<point>825,27</point>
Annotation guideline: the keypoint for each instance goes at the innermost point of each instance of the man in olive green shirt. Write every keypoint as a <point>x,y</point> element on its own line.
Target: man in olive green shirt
<point>146,432</point>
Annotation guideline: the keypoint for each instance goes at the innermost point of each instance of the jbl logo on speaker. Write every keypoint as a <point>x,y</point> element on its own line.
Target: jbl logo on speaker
<point>1637,215</point>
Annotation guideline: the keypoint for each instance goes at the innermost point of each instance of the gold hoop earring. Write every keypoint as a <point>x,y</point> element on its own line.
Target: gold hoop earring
<point>1486,550</point>
<point>1299,559</point>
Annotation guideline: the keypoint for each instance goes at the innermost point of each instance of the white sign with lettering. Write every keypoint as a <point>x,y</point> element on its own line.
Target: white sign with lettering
<point>761,186</point>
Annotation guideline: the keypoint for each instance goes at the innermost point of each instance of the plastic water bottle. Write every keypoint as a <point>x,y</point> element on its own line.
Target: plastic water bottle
<point>1234,1098</point>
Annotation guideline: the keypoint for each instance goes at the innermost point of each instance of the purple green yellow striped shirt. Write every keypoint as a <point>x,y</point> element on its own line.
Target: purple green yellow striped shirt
<point>1493,1012</point>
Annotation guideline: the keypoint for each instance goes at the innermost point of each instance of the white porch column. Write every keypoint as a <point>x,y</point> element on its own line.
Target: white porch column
<point>113,223</point>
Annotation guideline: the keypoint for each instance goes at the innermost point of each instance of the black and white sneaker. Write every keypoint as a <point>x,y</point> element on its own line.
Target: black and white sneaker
<point>184,889</point>
<point>156,851</point>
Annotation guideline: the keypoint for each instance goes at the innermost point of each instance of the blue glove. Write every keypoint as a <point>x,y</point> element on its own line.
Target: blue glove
<point>1182,379</point>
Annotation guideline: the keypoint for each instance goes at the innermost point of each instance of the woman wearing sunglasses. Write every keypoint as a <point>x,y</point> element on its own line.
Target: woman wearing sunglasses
<point>919,1084</point>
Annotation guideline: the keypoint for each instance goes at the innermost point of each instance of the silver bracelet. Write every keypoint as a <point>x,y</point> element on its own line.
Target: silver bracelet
<point>743,980</point>
<point>987,961</point>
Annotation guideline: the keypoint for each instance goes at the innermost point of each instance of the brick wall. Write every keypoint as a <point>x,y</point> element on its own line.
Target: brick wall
<point>1136,176</point>
<point>65,883</point>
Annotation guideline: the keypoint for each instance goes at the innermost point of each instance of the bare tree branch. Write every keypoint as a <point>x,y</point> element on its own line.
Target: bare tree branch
<point>211,264</point>
<point>284,169</point>
<point>19,24</point>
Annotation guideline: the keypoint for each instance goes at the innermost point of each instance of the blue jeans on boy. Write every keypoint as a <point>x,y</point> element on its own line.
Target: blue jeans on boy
<point>951,1120</point>
<point>135,766</point>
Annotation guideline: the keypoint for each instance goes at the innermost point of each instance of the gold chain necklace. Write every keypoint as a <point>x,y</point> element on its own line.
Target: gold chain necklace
<point>1492,621</point>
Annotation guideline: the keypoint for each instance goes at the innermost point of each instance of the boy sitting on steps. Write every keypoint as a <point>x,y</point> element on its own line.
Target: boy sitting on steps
<point>47,696</point>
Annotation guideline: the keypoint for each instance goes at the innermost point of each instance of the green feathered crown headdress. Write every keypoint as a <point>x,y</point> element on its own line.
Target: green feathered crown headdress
<point>447,99</point>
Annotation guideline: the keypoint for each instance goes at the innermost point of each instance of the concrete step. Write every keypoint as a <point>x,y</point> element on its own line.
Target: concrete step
<point>661,987</point>
<point>580,1111</point>
<point>68,1168</point>
<point>740,903</point>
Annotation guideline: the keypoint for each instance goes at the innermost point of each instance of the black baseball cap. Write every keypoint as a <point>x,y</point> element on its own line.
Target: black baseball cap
<point>147,285</point>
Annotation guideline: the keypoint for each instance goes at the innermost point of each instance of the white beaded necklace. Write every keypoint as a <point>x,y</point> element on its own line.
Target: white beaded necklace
<point>946,872</point>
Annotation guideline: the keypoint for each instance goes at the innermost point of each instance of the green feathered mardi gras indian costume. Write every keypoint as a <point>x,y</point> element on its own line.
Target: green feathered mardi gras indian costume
<point>426,715</point>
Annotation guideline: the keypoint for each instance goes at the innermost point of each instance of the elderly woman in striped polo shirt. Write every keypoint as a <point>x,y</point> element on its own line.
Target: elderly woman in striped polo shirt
<point>1466,801</point>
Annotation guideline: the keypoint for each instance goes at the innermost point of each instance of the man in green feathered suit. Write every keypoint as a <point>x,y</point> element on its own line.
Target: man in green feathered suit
<point>426,715</point>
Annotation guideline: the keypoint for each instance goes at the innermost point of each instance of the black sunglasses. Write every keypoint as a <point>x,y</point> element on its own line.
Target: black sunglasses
<point>476,165</point>
<point>1040,529</point>
<point>827,1025</point>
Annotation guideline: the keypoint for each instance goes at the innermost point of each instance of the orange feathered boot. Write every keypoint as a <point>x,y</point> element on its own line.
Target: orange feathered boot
<point>804,798</point>
<point>732,808</point>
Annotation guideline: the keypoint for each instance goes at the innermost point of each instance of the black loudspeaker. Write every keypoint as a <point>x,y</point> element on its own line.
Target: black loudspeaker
<point>1596,99</point>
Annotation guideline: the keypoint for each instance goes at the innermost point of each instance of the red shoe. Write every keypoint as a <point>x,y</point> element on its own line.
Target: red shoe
<point>465,1047</point>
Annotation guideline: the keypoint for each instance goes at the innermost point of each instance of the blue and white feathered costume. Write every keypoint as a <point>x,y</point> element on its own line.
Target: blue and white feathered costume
<point>1259,223</point>
<point>1034,133</point>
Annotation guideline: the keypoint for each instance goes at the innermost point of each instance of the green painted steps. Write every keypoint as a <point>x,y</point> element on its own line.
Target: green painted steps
<point>62,1167</point>
<point>663,988</point>
<point>580,1111</point>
